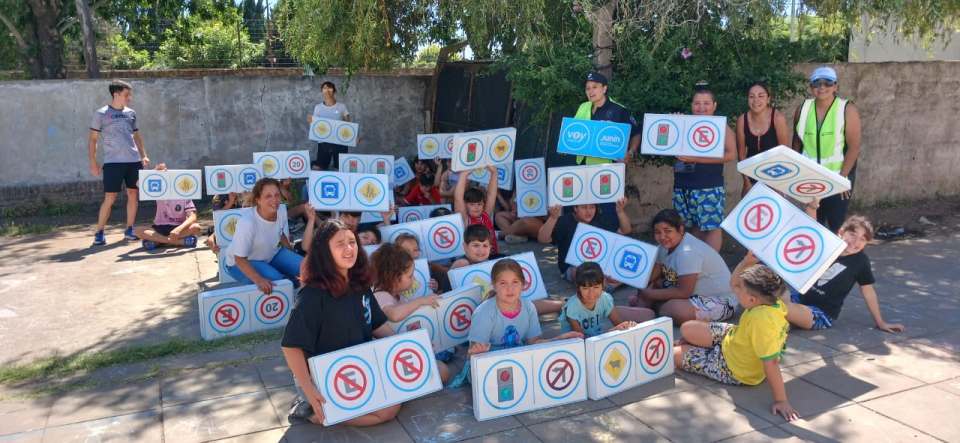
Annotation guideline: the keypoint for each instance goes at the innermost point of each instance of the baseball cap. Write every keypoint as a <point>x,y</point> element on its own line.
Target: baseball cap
<point>597,77</point>
<point>823,73</point>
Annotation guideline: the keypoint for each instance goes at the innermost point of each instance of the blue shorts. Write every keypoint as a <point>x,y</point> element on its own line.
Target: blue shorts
<point>820,319</point>
<point>700,208</point>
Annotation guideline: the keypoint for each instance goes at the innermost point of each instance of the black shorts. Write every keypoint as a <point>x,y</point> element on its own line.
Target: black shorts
<point>117,174</point>
<point>164,230</point>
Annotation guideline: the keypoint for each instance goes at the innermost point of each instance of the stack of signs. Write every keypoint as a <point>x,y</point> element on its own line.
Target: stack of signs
<point>679,135</point>
<point>622,258</point>
<point>439,237</point>
<point>793,174</point>
<point>531,188</point>
<point>172,184</point>
<point>472,150</point>
<point>225,226</point>
<point>449,323</point>
<point>504,176</point>
<point>594,138</point>
<point>225,179</point>
<point>338,132</point>
<point>479,275</point>
<point>421,281</point>
<point>402,173</point>
<point>434,146</point>
<point>518,380</point>
<point>364,378</point>
<point>243,309</point>
<point>410,214</point>
<point>283,164</point>
<point>582,185</point>
<point>620,360</point>
<point>783,237</point>
<point>340,191</point>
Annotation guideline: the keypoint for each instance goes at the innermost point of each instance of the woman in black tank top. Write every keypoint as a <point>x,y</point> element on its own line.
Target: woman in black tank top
<point>752,138</point>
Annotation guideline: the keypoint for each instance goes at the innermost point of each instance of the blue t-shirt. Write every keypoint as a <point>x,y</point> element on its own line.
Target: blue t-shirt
<point>593,322</point>
<point>489,325</point>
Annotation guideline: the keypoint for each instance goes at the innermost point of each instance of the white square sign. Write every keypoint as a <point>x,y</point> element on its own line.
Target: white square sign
<point>242,309</point>
<point>283,164</point>
<point>172,184</point>
<point>439,237</point>
<point>472,150</point>
<point>531,192</point>
<point>338,132</point>
<point>504,176</point>
<point>783,237</point>
<point>479,275</point>
<point>582,185</point>
<point>340,191</point>
<point>793,174</point>
<point>367,164</point>
<point>402,173</point>
<point>678,135</point>
<point>225,179</point>
<point>622,258</point>
<point>620,360</point>
<point>434,146</point>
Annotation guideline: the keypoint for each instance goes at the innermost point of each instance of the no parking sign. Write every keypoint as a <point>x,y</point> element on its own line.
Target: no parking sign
<point>677,135</point>
<point>242,309</point>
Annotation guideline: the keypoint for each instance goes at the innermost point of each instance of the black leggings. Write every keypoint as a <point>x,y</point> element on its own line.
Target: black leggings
<point>833,209</point>
<point>327,152</point>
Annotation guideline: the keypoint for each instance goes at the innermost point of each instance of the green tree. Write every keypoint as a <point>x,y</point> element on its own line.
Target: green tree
<point>196,42</point>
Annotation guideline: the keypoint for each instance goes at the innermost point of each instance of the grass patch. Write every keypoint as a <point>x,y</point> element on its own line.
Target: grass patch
<point>62,366</point>
<point>44,208</point>
<point>15,229</point>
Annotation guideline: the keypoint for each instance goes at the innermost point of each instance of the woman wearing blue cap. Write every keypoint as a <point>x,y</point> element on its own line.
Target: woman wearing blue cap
<point>828,131</point>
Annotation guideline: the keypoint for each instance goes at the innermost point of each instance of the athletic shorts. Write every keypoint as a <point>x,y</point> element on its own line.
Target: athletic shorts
<point>117,174</point>
<point>709,362</point>
<point>712,308</point>
<point>820,319</point>
<point>164,230</point>
<point>700,208</point>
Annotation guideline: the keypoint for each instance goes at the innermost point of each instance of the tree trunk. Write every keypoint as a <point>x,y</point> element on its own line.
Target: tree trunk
<point>602,20</point>
<point>89,40</point>
<point>48,37</point>
<point>25,42</point>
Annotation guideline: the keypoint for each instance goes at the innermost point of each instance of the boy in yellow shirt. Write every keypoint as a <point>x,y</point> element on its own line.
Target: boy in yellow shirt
<point>747,353</point>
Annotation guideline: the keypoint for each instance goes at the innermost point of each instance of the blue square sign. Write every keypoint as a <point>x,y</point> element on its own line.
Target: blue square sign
<point>155,185</point>
<point>776,170</point>
<point>249,178</point>
<point>329,190</point>
<point>630,261</point>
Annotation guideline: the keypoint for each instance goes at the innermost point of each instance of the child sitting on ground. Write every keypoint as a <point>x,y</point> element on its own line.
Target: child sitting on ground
<point>505,319</point>
<point>409,243</point>
<point>174,224</point>
<point>750,351</point>
<point>475,207</point>
<point>393,268</point>
<point>585,311</point>
<point>689,281</point>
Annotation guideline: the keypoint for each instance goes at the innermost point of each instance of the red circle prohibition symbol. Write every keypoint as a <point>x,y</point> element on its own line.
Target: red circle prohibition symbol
<point>462,313</point>
<point>412,216</point>
<point>704,136</point>
<point>403,366</point>
<point>266,301</point>
<point>591,248</point>
<point>560,370</point>
<point>341,376</point>
<point>530,173</point>
<point>444,237</point>
<point>809,188</point>
<point>295,164</point>
<point>753,218</point>
<point>227,315</point>
<point>802,252</point>
<point>655,351</point>
<point>527,278</point>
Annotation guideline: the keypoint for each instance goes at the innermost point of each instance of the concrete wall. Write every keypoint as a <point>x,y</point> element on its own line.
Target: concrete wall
<point>889,46</point>
<point>191,122</point>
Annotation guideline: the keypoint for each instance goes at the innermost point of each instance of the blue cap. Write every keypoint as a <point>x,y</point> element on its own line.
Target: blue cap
<point>823,73</point>
<point>597,77</point>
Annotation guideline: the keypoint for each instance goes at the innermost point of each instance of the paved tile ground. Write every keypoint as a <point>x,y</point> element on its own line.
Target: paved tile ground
<point>851,383</point>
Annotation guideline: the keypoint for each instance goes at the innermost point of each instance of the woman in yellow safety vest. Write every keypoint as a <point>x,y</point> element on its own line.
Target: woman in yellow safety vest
<point>828,132</point>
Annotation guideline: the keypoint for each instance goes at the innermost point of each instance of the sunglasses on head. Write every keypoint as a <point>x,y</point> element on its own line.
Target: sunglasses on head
<point>822,84</point>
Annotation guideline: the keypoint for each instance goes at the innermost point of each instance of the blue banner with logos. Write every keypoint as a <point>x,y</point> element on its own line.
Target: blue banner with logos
<point>594,138</point>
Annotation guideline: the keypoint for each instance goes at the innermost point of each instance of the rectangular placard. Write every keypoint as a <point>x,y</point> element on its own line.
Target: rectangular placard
<point>242,309</point>
<point>531,192</point>
<point>783,237</point>
<point>622,258</point>
<point>448,324</point>
<point>439,237</point>
<point>338,132</point>
<point>224,179</point>
<point>621,360</point>
<point>582,185</point>
<point>794,174</point>
<point>479,275</point>
<point>683,135</point>
<point>504,176</point>
<point>402,173</point>
<point>434,146</point>
<point>408,214</point>
<point>371,376</point>
<point>283,164</point>
<point>170,184</point>
<point>594,138</point>
<point>339,191</point>
<point>472,150</point>
<point>517,380</point>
